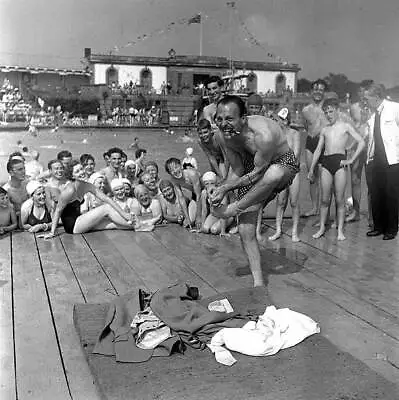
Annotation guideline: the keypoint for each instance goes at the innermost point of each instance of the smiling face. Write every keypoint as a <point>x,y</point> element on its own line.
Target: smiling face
<point>4,201</point>
<point>168,193</point>
<point>131,170</point>
<point>205,135</point>
<point>229,121</point>
<point>119,192</point>
<point>57,170</point>
<point>89,167</point>
<point>176,170</point>
<point>115,160</point>
<point>78,172</point>
<point>254,109</point>
<point>99,183</point>
<point>143,196</point>
<point>149,181</point>
<point>39,196</point>
<point>214,91</point>
<point>152,171</point>
<point>318,91</point>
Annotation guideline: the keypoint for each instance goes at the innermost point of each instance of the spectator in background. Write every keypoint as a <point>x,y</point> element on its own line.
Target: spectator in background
<point>65,156</point>
<point>140,155</point>
<point>255,105</point>
<point>189,161</point>
<point>33,168</point>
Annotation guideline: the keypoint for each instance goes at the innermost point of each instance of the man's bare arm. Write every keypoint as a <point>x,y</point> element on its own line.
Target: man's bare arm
<point>361,144</point>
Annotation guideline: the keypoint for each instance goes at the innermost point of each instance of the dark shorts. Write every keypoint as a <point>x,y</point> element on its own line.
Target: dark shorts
<point>311,143</point>
<point>288,161</point>
<point>332,162</point>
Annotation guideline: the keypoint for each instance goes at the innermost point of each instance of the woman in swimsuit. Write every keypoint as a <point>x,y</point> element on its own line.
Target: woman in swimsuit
<point>107,216</point>
<point>36,211</point>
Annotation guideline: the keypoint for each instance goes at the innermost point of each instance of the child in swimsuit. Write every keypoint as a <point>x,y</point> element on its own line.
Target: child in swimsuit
<point>8,217</point>
<point>334,138</point>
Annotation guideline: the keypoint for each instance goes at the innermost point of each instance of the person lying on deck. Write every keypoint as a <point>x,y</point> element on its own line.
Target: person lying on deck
<point>106,216</point>
<point>36,212</point>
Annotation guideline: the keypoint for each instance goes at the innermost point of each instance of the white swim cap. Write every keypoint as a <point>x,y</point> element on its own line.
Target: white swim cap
<point>129,162</point>
<point>209,177</point>
<point>116,183</point>
<point>283,113</point>
<point>32,186</point>
<point>189,151</point>
<point>95,176</point>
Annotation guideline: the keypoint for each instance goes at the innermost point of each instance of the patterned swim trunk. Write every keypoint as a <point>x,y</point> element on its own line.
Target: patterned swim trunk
<point>287,160</point>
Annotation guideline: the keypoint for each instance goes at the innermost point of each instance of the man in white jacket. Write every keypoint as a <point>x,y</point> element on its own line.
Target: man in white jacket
<point>383,152</point>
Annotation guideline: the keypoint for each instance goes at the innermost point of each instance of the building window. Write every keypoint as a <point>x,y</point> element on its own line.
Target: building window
<point>252,82</point>
<point>146,79</point>
<point>281,83</point>
<point>111,76</point>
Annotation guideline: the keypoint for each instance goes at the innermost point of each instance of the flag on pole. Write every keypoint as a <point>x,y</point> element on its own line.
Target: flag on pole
<point>194,20</point>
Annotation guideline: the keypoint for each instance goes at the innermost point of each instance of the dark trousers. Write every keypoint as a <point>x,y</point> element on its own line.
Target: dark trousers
<point>385,197</point>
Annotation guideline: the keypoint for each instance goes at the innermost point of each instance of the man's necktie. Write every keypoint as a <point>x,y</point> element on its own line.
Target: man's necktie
<point>379,149</point>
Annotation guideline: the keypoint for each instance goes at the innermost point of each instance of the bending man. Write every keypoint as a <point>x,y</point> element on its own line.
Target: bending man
<point>261,165</point>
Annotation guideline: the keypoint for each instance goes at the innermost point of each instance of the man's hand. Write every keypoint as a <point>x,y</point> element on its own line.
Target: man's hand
<point>2,231</point>
<point>217,195</point>
<point>47,236</point>
<point>180,219</point>
<point>346,163</point>
<point>35,228</point>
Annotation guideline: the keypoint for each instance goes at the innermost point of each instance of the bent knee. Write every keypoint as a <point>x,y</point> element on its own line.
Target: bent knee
<point>215,229</point>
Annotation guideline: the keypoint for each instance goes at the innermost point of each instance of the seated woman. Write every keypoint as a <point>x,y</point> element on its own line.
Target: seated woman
<point>37,210</point>
<point>210,223</point>
<point>128,188</point>
<point>107,216</point>
<point>147,210</point>
<point>119,195</point>
<point>174,208</point>
<point>90,200</point>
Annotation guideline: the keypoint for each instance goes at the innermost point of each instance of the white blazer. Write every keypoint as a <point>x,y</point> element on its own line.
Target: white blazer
<point>389,132</point>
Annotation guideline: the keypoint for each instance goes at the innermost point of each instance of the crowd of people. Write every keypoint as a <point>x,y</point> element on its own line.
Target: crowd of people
<point>253,159</point>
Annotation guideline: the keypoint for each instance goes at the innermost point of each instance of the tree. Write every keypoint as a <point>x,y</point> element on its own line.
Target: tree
<point>304,85</point>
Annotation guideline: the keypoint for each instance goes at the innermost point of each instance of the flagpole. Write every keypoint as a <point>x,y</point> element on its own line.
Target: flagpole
<point>201,32</point>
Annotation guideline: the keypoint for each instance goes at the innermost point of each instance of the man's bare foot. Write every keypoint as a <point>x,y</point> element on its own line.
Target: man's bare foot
<point>276,236</point>
<point>295,238</point>
<point>352,217</point>
<point>310,213</point>
<point>341,236</point>
<point>319,233</point>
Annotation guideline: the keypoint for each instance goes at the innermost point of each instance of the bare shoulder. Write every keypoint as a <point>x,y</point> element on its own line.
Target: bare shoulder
<point>260,124</point>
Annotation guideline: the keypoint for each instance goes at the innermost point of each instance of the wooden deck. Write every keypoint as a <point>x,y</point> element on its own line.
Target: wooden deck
<point>351,288</point>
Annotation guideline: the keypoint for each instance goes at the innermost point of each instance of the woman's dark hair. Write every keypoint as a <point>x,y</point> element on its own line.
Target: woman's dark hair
<point>64,154</point>
<point>69,170</point>
<point>85,158</point>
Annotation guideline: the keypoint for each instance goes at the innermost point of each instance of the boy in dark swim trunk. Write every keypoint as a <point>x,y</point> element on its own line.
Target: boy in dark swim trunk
<point>334,138</point>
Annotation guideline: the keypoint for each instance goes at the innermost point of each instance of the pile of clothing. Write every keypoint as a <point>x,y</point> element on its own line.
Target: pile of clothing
<point>142,325</point>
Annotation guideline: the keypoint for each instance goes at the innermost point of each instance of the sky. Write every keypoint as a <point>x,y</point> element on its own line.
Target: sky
<point>354,37</point>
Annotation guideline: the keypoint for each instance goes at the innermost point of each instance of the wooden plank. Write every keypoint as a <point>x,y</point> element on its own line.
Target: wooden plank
<point>64,292</point>
<point>207,256</point>
<point>7,366</point>
<point>40,373</point>
<point>373,281</point>
<point>173,266</point>
<point>123,277</point>
<point>94,282</point>
<point>349,333</point>
<point>148,270</point>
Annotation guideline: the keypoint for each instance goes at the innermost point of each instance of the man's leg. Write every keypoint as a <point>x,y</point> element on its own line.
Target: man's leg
<point>282,200</point>
<point>378,200</point>
<point>368,170</point>
<point>247,229</point>
<point>294,196</point>
<point>326,184</point>
<point>356,176</point>
<point>392,199</point>
<point>313,186</point>
<point>339,189</point>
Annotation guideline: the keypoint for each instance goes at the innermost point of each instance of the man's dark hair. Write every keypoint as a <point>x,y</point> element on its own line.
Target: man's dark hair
<point>169,162</point>
<point>113,150</point>
<point>64,154</point>
<point>25,149</point>
<point>69,170</point>
<point>377,90</point>
<point>320,82</point>
<point>216,79</point>
<point>203,124</point>
<point>332,102</point>
<point>85,158</point>
<point>12,162</point>
<point>165,183</point>
<point>16,154</point>
<point>139,152</point>
<point>52,162</point>
<point>151,162</point>
<point>105,154</point>
<point>238,101</point>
